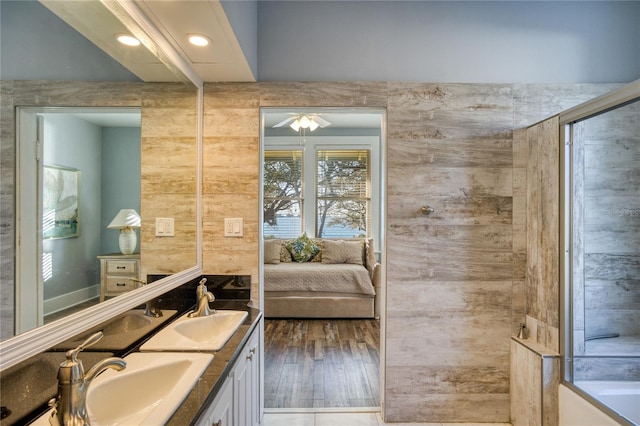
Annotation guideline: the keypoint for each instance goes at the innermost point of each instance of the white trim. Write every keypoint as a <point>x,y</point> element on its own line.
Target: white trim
<point>64,301</point>
<point>28,314</point>
<point>32,342</point>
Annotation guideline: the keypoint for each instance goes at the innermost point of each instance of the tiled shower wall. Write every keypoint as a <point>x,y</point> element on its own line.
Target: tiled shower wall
<point>455,288</point>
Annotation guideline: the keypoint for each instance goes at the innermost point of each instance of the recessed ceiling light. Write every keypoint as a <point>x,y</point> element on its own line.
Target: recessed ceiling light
<point>198,40</point>
<point>128,40</point>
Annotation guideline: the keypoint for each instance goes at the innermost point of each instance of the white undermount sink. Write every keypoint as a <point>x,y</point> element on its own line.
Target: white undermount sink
<point>208,333</point>
<point>147,392</point>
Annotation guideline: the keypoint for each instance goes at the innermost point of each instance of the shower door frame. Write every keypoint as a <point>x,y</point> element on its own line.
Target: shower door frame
<point>624,95</point>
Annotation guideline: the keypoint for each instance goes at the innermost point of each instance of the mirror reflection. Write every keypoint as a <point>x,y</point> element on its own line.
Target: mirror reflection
<point>86,171</point>
<point>164,185</point>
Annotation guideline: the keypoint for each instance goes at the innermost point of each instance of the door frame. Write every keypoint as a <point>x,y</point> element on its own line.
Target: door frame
<point>382,243</point>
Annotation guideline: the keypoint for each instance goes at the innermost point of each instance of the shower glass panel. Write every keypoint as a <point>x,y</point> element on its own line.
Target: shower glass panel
<point>603,258</point>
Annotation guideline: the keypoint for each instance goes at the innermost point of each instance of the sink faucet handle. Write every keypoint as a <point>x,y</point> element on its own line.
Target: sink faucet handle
<point>201,290</point>
<point>91,340</point>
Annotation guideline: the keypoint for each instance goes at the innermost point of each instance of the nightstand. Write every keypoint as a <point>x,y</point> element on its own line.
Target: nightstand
<point>116,271</point>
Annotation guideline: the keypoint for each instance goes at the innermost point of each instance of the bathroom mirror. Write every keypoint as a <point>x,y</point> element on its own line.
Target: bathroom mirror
<point>169,188</point>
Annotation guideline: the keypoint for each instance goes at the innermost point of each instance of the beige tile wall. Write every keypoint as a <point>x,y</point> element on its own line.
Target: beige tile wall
<point>455,279</point>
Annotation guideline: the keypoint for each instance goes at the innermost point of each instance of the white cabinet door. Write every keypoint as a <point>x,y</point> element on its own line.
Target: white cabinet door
<point>220,412</point>
<point>246,384</point>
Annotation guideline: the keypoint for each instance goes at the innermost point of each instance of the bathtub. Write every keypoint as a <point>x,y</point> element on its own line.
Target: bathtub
<point>622,397</point>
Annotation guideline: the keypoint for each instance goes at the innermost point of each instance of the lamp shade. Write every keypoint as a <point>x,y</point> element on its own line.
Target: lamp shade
<point>126,218</point>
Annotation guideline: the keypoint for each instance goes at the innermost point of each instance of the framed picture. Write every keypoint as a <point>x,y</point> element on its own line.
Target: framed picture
<point>60,202</point>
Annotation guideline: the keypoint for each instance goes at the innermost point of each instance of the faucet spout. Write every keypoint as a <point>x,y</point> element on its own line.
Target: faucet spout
<point>70,406</point>
<point>114,363</point>
<point>203,298</point>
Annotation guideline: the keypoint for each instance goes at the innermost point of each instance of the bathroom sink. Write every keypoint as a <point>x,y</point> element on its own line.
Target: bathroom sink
<point>148,391</point>
<point>27,385</point>
<point>120,332</point>
<point>208,333</point>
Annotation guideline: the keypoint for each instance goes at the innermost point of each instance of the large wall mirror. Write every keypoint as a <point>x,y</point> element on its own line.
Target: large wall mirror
<point>158,143</point>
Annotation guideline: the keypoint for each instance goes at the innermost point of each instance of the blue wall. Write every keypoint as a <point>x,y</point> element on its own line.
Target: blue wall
<point>37,45</point>
<point>74,143</point>
<point>120,180</point>
<point>449,41</point>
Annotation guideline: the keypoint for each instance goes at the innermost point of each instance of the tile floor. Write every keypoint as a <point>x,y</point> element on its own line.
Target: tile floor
<point>345,419</point>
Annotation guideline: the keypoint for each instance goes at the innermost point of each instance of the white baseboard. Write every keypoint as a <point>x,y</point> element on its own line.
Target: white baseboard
<point>67,300</point>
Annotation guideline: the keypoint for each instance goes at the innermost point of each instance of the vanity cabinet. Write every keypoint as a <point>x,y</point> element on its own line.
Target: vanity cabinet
<point>246,383</point>
<point>238,402</point>
<point>220,412</point>
<point>116,271</point>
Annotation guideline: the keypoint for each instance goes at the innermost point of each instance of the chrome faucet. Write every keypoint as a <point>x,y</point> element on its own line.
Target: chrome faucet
<point>203,298</point>
<point>150,308</point>
<point>70,406</point>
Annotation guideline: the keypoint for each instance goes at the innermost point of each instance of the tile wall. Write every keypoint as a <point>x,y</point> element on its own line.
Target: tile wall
<point>455,288</point>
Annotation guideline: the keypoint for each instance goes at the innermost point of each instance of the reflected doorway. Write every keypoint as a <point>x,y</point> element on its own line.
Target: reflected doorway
<point>76,168</point>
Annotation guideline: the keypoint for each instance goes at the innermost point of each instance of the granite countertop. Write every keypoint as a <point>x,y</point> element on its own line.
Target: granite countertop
<point>189,411</point>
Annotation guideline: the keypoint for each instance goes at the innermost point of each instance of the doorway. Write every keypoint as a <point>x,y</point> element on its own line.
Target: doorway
<point>323,363</point>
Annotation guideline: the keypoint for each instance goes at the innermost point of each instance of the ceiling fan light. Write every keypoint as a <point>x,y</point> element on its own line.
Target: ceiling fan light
<point>313,125</point>
<point>305,122</point>
<point>295,125</point>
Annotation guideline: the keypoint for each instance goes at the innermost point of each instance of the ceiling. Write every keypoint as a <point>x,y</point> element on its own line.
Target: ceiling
<point>222,60</point>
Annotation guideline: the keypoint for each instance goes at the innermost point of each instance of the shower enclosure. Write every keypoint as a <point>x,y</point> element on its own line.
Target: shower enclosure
<point>601,266</point>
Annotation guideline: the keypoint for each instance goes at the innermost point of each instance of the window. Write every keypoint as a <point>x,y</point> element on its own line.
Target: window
<point>283,193</point>
<point>337,197</point>
<point>342,193</point>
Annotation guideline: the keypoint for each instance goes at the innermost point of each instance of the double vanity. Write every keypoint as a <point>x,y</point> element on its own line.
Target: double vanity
<point>196,365</point>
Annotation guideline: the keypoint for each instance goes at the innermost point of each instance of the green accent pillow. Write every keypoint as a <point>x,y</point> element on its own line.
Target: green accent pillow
<point>302,249</point>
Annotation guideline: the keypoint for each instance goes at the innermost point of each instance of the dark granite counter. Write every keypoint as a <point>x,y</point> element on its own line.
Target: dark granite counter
<point>198,398</point>
<point>28,386</point>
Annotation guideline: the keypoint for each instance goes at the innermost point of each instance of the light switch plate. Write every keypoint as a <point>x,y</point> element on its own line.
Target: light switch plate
<point>233,227</point>
<point>165,227</point>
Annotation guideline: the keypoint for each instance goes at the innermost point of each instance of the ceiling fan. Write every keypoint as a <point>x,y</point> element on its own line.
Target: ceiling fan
<point>304,121</point>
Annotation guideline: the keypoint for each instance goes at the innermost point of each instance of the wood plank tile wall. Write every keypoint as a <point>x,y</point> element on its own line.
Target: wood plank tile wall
<point>455,279</point>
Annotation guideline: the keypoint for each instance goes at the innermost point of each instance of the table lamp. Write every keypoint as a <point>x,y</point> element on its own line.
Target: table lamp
<point>126,220</point>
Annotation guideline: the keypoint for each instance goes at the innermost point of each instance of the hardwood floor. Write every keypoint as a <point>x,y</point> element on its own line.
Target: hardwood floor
<point>322,363</point>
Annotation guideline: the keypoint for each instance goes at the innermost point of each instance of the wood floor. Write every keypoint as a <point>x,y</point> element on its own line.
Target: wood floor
<point>322,363</point>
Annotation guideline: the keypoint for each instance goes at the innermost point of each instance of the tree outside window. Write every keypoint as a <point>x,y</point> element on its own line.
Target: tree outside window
<point>283,193</point>
<point>341,188</point>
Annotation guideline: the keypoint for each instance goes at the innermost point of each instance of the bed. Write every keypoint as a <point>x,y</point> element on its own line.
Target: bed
<point>340,280</point>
